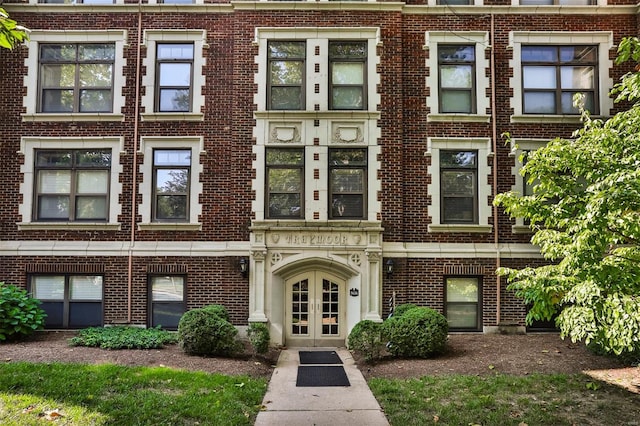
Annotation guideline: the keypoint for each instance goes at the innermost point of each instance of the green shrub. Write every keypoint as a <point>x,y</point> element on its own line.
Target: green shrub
<point>203,332</point>
<point>400,310</point>
<point>219,310</point>
<point>123,337</point>
<point>367,338</point>
<point>20,314</point>
<point>259,337</point>
<point>419,332</point>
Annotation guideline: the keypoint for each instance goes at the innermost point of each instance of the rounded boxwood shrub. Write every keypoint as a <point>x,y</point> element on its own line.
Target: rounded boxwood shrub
<point>367,338</point>
<point>20,314</point>
<point>419,332</point>
<point>259,336</point>
<point>219,310</point>
<point>399,310</point>
<point>202,332</point>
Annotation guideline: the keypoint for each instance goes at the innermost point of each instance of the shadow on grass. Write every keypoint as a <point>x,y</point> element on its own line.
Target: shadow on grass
<point>107,394</point>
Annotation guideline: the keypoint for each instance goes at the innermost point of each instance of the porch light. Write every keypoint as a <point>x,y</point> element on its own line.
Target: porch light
<point>244,266</point>
<point>389,267</point>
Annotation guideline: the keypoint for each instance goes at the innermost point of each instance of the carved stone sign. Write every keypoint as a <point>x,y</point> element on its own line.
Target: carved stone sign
<point>310,239</point>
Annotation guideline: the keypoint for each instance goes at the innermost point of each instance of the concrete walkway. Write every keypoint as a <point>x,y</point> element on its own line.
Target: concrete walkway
<point>287,405</point>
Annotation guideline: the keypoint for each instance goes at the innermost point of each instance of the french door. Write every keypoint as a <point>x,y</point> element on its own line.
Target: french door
<point>315,310</point>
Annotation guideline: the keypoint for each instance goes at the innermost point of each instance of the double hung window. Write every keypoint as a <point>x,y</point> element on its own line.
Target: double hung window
<point>171,177</point>
<point>72,185</point>
<point>347,183</point>
<point>348,64</point>
<point>456,65</point>
<point>552,75</point>
<point>70,301</point>
<point>285,183</point>
<point>175,76</point>
<point>167,300</point>
<point>286,75</point>
<point>76,78</point>
<point>459,187</point>
<point>463,309</point>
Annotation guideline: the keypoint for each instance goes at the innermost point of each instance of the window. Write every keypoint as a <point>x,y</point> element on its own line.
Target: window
<point>70,301</point>
<point>175,74</point>
<point>454,2</point>
<point>552,75</point>
<point>72,185</point>
<point>458,180</point>
<point>456,65</point>
<point>76,78</point>
<point>171,176</point>
<point>458,89</point>
<point>167,300</point>
<point>463,308</point>
<point>176,1</point>
<point>347,183</point>
<point>286,75</point>
<point>285,183</point>
<point>174,77</point>
<point>348,64</point>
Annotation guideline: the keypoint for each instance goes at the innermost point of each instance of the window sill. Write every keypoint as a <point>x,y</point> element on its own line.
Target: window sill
<point>74,226</point>
<point>172,116</point>
<point>170,226</point>
<point>73,117</point>
<point>478,229</point>
<point>456,118</point>
<point>544,118</point>
<point>521,229</point>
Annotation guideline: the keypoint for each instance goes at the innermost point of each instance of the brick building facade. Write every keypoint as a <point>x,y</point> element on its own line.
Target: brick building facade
<point>305,164</point>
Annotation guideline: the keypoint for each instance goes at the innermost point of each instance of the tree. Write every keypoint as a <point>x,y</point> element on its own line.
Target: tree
<point>11,34</point>
<point>585,215</point>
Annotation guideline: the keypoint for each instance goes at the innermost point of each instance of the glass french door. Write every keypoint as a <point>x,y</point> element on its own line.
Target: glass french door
<point>315,310</point>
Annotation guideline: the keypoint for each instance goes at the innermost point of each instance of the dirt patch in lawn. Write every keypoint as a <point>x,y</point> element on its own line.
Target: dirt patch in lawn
<point>489,354</point>
<point>54,346</point>
<point>473,354</point>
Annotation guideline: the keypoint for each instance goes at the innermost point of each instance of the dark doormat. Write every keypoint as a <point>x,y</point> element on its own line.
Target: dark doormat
<point>332,375</point>
<point>319,357</point>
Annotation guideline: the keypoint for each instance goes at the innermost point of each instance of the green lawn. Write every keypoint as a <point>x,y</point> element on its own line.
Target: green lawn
<point>114,395</point>
<point>505,400</point>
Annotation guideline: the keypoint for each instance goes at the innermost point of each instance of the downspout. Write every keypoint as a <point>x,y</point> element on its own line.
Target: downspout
<point>494,130</point>
<point>134,176</point>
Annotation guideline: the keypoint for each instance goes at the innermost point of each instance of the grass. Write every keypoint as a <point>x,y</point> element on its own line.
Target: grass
<point>114,395</point>
<point>505,400</point>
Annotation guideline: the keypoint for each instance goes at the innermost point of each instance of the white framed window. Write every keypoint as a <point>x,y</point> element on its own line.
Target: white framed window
<point>457,81</point>
<point>309,69</point>
<point>174,76</point>
<point>171,186</point>
<point>459,186</point>
<point>71,183</point>
<point>548,68</point>
<point>463,308</point>
<point>75,76</point>
<point>518,147</point>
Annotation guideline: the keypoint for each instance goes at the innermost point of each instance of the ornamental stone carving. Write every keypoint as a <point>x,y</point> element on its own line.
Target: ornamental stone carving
<point>347,132</point>
<point>284,133</point>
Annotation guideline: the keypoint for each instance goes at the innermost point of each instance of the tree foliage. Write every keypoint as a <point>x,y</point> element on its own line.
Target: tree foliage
<point>585,215</point>
<point>11,34</point>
